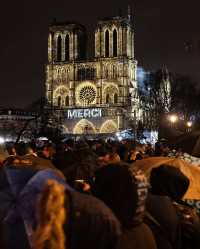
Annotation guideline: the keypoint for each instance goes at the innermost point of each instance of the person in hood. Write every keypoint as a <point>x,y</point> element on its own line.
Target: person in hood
<point>64,158</point>
<point>168,186</point>
<point>83,166</point>
<point>169,181</point>
<point>70,220</point>
<point>124,191</point>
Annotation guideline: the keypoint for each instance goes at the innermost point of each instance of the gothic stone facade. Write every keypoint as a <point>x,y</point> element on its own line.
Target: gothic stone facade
<point>97,95</point>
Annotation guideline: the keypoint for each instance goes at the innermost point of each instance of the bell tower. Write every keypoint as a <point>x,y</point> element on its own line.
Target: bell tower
<point>114,47</point>
<point>66,42</point>
<point>66,46</point>
<point>114,37</point>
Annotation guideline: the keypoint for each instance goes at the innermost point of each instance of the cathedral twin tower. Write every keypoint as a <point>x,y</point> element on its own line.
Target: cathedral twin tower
<point>99,94</point>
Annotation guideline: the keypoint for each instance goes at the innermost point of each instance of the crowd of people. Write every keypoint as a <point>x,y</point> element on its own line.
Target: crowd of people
<point>88,194</point>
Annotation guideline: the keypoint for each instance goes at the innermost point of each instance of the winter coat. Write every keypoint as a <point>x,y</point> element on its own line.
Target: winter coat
<point>124,191</point>
<point>167,231</point>
<point>168,186</point>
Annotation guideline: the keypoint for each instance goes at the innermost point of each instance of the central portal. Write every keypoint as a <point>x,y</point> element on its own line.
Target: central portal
<point>84,127</point>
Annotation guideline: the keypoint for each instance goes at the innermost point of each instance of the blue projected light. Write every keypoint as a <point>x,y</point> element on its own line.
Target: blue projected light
<point>142,76</point>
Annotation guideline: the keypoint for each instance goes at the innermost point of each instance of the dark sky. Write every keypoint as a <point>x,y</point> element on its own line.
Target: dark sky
<point>161,29</point>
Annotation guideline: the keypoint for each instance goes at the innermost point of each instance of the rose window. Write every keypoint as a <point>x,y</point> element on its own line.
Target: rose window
<point>86,94</point>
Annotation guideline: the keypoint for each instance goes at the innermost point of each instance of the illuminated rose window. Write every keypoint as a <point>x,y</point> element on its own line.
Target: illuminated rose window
<point>86,94</point>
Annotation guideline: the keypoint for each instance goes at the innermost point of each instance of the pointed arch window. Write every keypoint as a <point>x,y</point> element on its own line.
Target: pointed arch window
<point>114,43</point>
<point>115,98</point>
<point>67,48</point>
<point>59,101</point>
<point>107,98</point>
<point>107,43</point>
<point>67,100</point>
<point>59,48</point>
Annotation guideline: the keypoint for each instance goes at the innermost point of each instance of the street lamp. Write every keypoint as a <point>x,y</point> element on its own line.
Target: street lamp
<point>189,124</point>
<point>173,119</point>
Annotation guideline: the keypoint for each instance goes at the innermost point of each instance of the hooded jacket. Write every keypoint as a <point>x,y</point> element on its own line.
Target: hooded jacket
<point>83,165</point>
<point>168,184</point>
<point>169,181</point>
<point>91,224</point>
<point>124,191</point>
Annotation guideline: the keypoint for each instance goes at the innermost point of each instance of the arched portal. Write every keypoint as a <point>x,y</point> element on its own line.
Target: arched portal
<point>109,126</point>
<point>110,93</point>
<point>84,127</point>
<point>61,93</point>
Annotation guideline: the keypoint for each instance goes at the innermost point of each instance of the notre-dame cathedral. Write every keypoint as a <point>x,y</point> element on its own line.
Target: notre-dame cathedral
<point>99,94</point>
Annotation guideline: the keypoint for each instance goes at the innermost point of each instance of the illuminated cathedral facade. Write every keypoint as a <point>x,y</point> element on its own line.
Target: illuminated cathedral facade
<point>99,94</point>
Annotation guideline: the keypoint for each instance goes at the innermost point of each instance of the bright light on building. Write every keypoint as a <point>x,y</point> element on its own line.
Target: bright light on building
<point>43,139</point>
<point>118,134</point>
<point>120,138</point>
<point>2,140</point>
<point>173,118</point>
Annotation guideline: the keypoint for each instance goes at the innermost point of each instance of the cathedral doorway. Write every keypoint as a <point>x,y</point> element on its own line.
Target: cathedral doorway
<point>84,127</point>
<point>109,126</point>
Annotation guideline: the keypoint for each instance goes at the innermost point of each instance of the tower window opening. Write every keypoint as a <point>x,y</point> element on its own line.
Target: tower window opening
<point>114,43</point>
<point>67,48</point>
<point>107,43</point>
<point>59,48</point>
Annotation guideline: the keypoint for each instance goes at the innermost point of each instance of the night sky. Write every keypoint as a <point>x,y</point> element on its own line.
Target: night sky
<point>161,31</point>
